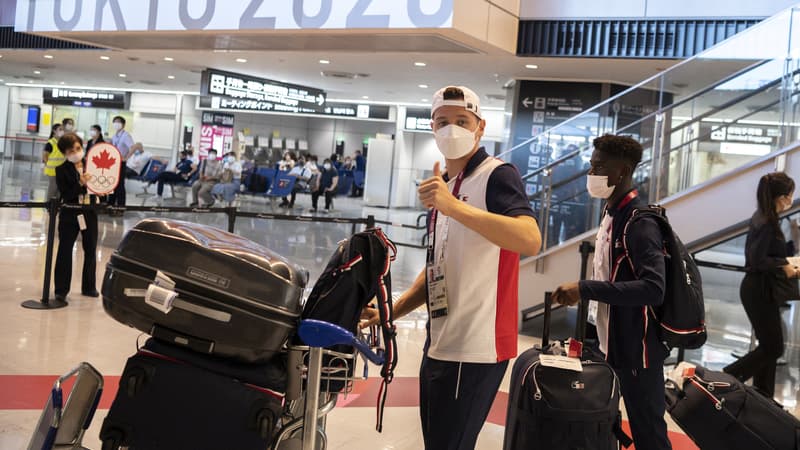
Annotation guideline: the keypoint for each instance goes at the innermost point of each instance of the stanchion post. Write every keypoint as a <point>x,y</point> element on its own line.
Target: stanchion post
<point>231,212</point>
<point>44,302</point>
<point>370,221</point>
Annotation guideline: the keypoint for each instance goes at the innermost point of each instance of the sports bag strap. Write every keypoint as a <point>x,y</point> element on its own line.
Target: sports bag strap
<point>622,436</point>
<point>384,252</point>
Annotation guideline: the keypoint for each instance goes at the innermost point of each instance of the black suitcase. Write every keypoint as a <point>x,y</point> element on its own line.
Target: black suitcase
<point>235,298</point>
<point>718,412</point>
<point>553,408</point>
<point>178,399</point>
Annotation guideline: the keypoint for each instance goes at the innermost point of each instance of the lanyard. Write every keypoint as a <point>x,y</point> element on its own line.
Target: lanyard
<point>432,228</point>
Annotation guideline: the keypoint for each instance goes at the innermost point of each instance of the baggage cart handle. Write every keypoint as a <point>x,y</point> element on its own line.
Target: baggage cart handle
<point>317,333</point>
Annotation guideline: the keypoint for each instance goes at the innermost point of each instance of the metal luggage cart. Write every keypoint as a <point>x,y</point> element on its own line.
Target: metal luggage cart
<point>322,381</point>
<point>63,426</point>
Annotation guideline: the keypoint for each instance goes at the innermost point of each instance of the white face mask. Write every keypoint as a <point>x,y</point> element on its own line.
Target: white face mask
<point>454,142</point>
<point>117,126</point>
<point>93,133</point>
<point>75,157</point>
<point>598,187</point>
<point>69,127</point>
<point>326,166</point>
<point>59,133</point>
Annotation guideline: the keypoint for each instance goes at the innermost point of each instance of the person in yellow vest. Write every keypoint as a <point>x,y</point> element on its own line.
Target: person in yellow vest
<point>52,158</point>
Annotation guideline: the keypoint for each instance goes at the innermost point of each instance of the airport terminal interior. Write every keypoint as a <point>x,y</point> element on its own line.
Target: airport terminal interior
<point>710,91</point>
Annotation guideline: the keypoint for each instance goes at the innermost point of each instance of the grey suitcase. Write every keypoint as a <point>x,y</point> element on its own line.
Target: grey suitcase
<point>235,298</point>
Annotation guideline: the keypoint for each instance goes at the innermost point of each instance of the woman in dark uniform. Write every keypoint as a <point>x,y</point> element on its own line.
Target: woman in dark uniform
<point>765,258</point>
<point>71,182</point>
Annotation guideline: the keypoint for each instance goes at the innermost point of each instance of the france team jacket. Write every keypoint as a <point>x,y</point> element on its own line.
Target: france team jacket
<point>638,278</point>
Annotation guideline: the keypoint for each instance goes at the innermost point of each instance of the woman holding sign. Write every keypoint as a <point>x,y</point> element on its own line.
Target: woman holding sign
<point>71,180</point>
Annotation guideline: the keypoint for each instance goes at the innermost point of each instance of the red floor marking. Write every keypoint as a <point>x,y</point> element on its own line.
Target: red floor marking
<point>29,392</point>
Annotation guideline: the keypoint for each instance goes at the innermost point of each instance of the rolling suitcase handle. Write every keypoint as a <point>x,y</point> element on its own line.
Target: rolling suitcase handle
<point>548,311</point>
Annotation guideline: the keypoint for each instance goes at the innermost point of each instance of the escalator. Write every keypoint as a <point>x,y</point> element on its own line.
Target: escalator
<point>723,119</point>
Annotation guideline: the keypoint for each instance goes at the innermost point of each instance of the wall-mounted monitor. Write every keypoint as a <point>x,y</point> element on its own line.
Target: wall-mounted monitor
<point>302,145</point>
<point>32,123</point>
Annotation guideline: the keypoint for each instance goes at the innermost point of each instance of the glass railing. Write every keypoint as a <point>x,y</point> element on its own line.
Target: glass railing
<point>21,168</point>
<point>702,118</point>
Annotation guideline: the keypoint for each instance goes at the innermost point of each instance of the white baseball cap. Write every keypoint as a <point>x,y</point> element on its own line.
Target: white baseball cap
<point>468,100</point>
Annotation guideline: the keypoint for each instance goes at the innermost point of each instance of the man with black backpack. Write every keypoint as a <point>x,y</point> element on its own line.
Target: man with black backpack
<point>629,282</point>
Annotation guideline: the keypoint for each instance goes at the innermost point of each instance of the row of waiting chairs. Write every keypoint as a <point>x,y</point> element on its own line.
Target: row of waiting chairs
<point>280,184</point>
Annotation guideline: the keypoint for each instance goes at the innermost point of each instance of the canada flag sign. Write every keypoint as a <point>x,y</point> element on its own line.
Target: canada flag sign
<point>103,163</point>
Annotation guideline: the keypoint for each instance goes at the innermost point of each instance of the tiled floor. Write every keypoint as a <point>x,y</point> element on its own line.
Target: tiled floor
<point>38,345</point>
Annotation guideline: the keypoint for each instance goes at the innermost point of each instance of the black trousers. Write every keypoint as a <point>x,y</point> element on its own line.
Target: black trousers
<point>118,197</point>
<point>168,177</point>
<point>643,393</point>
<point>454,401</point>
<point>68,230</point>
<point>328,199</point>
<point>765,316</point>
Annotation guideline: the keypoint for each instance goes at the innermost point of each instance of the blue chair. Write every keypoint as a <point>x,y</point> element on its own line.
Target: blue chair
<point>150,174</point>
<point>358,178</point>
<point>345,183</point>
<point>282,185</point>
<point>269,174</point>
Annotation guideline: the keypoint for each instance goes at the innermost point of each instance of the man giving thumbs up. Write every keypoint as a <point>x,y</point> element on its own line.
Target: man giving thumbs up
<point>479,224</point>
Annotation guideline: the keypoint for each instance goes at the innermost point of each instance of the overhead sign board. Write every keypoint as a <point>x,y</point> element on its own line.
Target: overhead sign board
<point>138,15</point>
<point>86,98</point>
<point>215,118</point>
<point>227,90</point>
<point>418,119</point>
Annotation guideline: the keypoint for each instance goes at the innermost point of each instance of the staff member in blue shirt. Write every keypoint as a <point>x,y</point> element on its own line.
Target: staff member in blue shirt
<point>624,287</point>
<point>123,141</point>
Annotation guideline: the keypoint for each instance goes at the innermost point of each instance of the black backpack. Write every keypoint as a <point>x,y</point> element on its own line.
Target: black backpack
<point>682,315</point>
<point>358,271</point>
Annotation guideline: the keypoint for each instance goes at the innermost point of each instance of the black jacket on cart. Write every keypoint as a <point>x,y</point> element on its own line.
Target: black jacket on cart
<point>637,282</point>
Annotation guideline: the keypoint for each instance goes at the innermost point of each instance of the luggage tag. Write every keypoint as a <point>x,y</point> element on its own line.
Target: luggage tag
<point>574,348</point>
<point>81,222</point>
<point>160,294</point>
<point>437,290</point>
<point>561,362</point>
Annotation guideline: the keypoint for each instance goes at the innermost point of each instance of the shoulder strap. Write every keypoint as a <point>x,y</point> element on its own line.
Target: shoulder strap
<point>383,251</point>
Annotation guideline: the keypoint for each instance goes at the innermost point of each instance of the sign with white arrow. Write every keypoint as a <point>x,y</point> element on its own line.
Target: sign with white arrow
<point>526,102</point>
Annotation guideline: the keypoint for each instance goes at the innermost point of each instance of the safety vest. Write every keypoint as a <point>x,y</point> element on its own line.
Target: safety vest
<point>55,159</point>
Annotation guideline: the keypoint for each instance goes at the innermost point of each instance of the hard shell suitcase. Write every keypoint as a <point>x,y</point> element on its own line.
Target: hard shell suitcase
<point>718,412</point>
<point>167,402</point>
<point>554,408</point>
<point>200,287</point>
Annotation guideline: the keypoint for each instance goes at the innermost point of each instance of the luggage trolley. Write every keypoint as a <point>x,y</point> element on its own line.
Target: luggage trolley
<point>322,381</point>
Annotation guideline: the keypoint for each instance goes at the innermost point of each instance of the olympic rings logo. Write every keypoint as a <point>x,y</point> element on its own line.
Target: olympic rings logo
<point>102,180</point>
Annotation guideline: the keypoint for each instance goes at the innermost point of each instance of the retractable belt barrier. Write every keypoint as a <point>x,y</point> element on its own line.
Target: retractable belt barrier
<point>53,207</point>
<point>418,226</point>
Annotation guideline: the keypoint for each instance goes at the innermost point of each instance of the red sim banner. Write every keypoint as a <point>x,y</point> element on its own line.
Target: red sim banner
<point>103,163</point>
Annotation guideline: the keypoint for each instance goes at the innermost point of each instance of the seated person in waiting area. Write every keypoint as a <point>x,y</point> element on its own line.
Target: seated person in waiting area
<point>210,174</point>
<point>183,171</point>
<point>230,181</point>
<point>302,176</point>
<point>137,161</point>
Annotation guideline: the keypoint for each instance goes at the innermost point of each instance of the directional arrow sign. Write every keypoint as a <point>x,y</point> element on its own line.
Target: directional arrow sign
<point>320,99</point>
<point>527,102</point>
